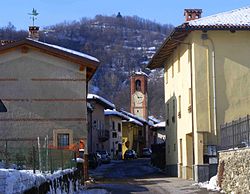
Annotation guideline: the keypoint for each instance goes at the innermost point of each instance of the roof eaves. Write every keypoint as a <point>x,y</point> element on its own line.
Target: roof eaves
<point>90,62</point>
<point>167,48</point>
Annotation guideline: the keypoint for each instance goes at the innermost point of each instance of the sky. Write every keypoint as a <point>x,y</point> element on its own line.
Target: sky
<point>57,11</point>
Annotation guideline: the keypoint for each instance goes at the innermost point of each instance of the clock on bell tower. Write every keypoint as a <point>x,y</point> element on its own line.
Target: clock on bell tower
<point>138,94</point>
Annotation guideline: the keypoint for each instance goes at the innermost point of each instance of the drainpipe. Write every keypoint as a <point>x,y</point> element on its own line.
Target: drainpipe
<point>214,89</point>
<point>205,37</point>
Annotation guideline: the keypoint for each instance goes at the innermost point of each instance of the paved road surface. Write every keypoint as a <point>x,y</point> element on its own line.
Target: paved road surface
<point>137,176</point>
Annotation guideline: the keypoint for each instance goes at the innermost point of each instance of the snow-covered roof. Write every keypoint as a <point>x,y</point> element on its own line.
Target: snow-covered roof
<point>107,104</point>
<point>237,17</point>
<point>140,73</point>
<point>152,118</point>
<point>142,120</point>
<point>161,124</point>
<point>80,54</point>
<point>131,120</point>
<point>115,113</point>
<point>75,57</point>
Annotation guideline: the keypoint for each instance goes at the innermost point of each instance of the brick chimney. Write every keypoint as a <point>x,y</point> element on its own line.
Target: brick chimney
<point>34,32</point>
<point>192,14</point>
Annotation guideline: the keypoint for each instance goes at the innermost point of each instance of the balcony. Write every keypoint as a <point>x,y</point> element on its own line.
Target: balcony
<point>103,135</point>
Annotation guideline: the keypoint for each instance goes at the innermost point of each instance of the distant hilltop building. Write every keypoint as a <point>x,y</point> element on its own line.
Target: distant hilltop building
<point>119,15</point>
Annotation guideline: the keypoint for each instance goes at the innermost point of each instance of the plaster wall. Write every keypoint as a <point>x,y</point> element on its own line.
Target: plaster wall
<point>232,73</point>
<point>177,93</point>
<point>98,124</point>
<point>113,142</point>
<point>41,93</point>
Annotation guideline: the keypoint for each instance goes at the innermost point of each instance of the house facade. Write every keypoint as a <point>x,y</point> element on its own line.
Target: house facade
<point>43,88</point>
<point>132,135</point>
<point>113,122</point>
<point>206,81</point>
<point>99,135</point>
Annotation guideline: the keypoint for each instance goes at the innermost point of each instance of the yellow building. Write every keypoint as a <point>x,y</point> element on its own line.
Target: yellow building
<point>132,134</point>
<point>207,83</point>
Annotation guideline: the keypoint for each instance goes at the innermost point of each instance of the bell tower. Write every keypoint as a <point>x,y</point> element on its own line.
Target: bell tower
<point>139,94</point>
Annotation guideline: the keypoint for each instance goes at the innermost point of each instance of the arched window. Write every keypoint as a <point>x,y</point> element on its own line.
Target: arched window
<point>138,85</point>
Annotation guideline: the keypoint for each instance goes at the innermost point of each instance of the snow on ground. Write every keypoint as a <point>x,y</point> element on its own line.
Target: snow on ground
<point>18,181</point>
<point>210,185</point>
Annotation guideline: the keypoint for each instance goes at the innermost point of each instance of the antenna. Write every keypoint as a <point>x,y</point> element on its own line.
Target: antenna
<point>34,15</point>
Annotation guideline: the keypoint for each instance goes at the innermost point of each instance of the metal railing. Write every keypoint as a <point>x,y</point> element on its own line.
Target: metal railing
<point>27,155</point>
<point>235,134</point>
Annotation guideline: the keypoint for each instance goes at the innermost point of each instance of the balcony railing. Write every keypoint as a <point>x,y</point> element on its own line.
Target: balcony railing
<point>103,135</point>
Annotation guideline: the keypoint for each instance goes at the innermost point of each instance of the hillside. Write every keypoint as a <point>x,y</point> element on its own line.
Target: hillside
<point>122,44</point>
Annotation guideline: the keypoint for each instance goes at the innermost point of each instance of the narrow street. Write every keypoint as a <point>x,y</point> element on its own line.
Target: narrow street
<point>137,176</point>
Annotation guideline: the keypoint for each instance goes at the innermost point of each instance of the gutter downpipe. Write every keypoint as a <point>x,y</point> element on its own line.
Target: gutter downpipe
<point>214,86</point>
<point>214,89</point>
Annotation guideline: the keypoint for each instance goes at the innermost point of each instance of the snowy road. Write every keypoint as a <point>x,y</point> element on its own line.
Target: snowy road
<point>137,176</point>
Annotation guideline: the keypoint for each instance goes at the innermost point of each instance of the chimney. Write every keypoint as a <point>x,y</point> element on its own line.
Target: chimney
<point>34,32</point>
<point>192,14</point>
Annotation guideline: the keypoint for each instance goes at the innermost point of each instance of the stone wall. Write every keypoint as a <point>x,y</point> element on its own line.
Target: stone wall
<point>234,170</point>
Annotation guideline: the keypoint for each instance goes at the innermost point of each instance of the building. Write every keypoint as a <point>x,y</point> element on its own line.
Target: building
<point>99,135</point>
<point>207,76</point>
<point>43,87</point>
<point>132,137</point>
<point>140,131</point>
<point>113,122</point>
<point>139,94</point>
<point>159,133</point>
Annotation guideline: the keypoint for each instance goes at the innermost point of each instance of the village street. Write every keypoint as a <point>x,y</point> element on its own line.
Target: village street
<point>138,176</point>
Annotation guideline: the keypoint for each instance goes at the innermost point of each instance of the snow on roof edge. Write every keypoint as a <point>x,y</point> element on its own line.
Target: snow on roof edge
<point>80,54</point>
<point>94,96</point>
<point>116,113</point>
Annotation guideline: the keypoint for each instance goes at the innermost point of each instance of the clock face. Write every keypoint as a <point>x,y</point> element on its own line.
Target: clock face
<point>138,98</point>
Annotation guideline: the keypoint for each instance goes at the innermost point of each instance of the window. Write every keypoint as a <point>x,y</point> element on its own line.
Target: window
<point>179,63</point>
<point>167,122</point>
<point>119,127</point>
<point>174,147</point>
<point>62,139</point>
<point>138,85</point>
<point>173,70</point>
<point>173,116</point>
<point>180,103</point>
<point>190,96</point>
<point>114,135</point>
<point>179,107</point>
<point>173,107</point>
<point>166,73</point>
<point>140,133</point>
<point>190,100</point>
<point>113,125</point>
